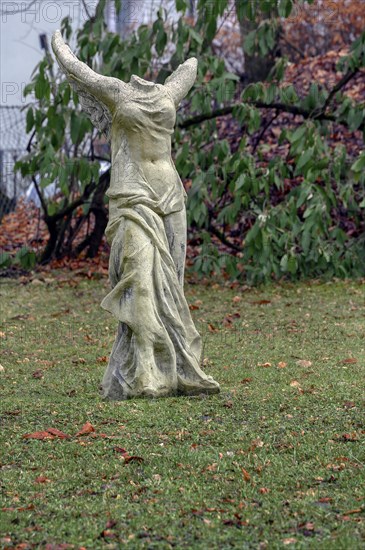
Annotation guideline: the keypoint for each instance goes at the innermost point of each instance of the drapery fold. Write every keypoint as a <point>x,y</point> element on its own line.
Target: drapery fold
<point>157,348</point>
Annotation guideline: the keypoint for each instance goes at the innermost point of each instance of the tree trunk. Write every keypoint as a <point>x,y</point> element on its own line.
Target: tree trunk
<point>256,68</point>
<point>53,231</point>
<point>92,241</point>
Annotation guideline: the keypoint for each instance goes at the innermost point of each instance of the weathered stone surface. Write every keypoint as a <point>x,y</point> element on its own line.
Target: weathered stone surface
<point>157,348</point>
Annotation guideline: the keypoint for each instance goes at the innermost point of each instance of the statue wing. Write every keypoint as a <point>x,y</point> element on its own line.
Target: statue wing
<point>97,112</point>
<point>98,94</point>
<point>180,81</point>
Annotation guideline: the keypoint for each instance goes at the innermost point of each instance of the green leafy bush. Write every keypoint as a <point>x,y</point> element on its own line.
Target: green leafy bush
<point>257,215</point>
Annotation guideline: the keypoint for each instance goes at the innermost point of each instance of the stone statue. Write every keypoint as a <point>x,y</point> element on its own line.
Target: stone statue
<point>157,348</point>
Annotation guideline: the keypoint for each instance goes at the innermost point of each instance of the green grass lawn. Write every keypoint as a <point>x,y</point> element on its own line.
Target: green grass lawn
<point>275,460</point>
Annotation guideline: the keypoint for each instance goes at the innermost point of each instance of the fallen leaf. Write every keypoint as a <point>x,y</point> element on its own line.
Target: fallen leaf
<point>228,404</point>
<point>128,459</point>
<point>304,363</point>
<point>246,475</point>
<point>264,490</point>
<point>21,509</point>
<point>349,405</point>
<point>42,479</point>
<point>336,467</point>
<point>227,321</point>
<point>349,360</point>
<point>348,437</point>
<point>282,365</point>
<point>197,512</point>
<point>86,429</point>
<point>257,443</point>
<point>79,360</point>
<point>102,359</point>
<point>212,328</point>
<point>2,368</point>
<point>107,534</point>
<point>38,374</point>
<point>58,433</point>
<point>295,384</point>
<point>308,526</point>
<point>120,450</point>
<point>39,435</point>
<point>110,524</point>
<point>356,511</point>
<point>246,381</point>
<point>266,365</point>
<point>236,299</point>
<point>290,540</point>
<point>261,302</point>
<point>325,499</point>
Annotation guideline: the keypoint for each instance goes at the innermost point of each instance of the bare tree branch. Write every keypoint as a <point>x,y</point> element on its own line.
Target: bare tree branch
<point>317,114</point>
<point>86,9</point>
<point>344,80</point>
<point>282,107</point>
<point>263,130</point>
<point>40,196</point>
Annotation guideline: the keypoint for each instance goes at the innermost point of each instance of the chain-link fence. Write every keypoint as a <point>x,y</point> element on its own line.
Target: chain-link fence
<point>13,145</point>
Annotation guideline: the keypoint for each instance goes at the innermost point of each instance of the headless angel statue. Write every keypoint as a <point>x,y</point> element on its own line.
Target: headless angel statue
<point>157,348</point>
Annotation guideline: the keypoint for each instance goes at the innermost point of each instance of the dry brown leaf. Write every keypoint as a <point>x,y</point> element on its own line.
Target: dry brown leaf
<point>128,459</point>
<point>86,429</point>
<point>349,360</point>
<point>58,433</point>
<point>325,499</point>
<point>79,360</point>
<point>246,475</point>
<point>257,443</point>
<point>282,365</point>
<point>42,479</point>
<point>38,374</point>
<point>349,437</point>
<point>39,435</point>
<point>349,405</point>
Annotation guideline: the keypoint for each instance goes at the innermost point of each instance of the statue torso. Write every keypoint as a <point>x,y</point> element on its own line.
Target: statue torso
<point>142,168</point>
